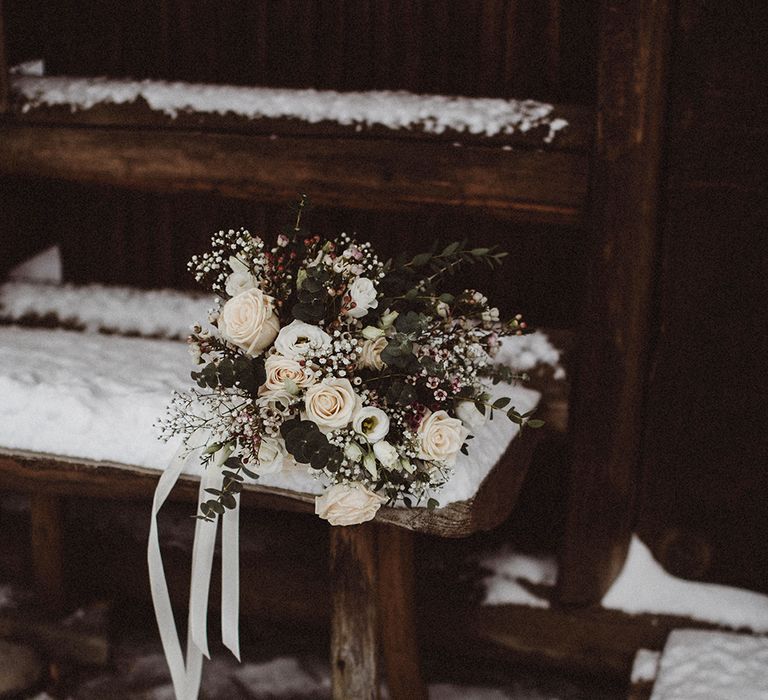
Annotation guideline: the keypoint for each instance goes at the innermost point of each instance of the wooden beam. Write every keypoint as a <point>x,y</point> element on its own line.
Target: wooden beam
<point>611,350</point>
<point>5,86</point>
<point>47,549</point>
<point>397,614</point>
<point>373,174</point>
<point>354,630</point>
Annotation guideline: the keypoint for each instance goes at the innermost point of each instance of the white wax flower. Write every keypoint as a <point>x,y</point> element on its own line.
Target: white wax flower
<point>371,422</point>
<point>363,295</point>
<point>348,504</point>
<point>299,339</point>
<point>441,437</point>
<point>249,321</point>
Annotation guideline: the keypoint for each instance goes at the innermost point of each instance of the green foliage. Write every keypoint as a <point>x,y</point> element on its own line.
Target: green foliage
<point>308,445</point>
<point>312,296</point>
<point>241,371</point>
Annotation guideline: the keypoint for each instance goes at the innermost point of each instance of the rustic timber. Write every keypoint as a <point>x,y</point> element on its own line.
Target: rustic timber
<point>4,76</point>
<point>397,614</point>
<point>380,174</point>
<point>611,349</point>
<point>354,631</point>
<point>47,551</point>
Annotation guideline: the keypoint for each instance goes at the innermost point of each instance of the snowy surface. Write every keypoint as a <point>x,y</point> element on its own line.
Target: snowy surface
<point>95,307</point>
<point>699,665</point>
<point>511,572</point>
<point>45,267</point>
<point>645,587</point>
<point>97,397</point>
<point>642,587</point>
<point>645,666</point>
<point>393,110</point>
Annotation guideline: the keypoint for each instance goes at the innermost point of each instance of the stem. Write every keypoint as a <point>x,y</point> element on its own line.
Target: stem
<point>302,204</point>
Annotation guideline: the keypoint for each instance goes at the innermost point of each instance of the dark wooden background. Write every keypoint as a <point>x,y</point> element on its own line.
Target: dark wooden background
<point>704,504</point>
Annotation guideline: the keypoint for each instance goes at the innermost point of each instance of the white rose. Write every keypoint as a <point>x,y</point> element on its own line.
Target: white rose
<point>239,282</point>
<point>370,354</point>
<point>348,504</point>
<point>279,369</point>
<point>469,415</point>
<point>249,321</point>
<point>441,437</point>
<point>298,340</point>
<point>363,295</point>
<point>331,404</point>
<point>386,453</point>
<point>271,456</point>
<point>371,422</point>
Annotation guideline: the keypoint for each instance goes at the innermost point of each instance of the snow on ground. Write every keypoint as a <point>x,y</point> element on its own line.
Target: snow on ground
<point>645,666</point>
<point>699,665</point>
<point>97,397</point>
<point>642,587</point>
<point>393,110</point>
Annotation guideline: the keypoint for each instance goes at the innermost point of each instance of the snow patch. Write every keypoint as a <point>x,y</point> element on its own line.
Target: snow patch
<point>699,665</point>
<point>645,587</point>
<point>434,114</point>
<point>44,267</point>
<point>95,307</point>
<point>97,397</point>
<point>645,666</point>
<point>642,587</point>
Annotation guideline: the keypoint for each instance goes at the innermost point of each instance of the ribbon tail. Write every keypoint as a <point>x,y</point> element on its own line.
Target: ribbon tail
<point>230,579</point>
<point>161,600</point>
<point>202,565</point>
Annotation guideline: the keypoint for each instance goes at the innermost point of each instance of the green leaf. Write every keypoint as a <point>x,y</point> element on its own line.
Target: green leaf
<point>421,259</point>
<point>232,475</point>
<point>477,252</point>
<point>249,473</point>
<point>432,504</point>
<point>502,402</point>
<point>451,248</point>
<point>228,501</point>
<point>480,406</point>
<point>213,447</point>
<point>214,492</point>
<point>535,423</point>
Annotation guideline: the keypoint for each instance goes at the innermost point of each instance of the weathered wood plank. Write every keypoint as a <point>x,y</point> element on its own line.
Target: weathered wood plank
<point>372,174</point>
<point>4,76</point>
<point>47,548</point>
<point>611,350</point>
<point>397,614</point>
<point>354,630</point>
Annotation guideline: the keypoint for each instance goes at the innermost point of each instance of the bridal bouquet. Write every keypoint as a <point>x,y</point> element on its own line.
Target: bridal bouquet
<point>319,355</point>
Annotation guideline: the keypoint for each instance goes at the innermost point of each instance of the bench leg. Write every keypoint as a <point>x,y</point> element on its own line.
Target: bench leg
<point>397,619</point>
<point>354,643</point>
<point>47,555</point>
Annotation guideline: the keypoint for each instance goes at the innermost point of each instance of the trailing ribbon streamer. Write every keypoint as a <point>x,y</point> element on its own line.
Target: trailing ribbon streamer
<point>186,676</point>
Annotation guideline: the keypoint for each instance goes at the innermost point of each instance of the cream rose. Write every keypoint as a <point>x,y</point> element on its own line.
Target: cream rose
<point>371,422</point>
<point>363,295</point>
<point>331,404</point>
<point>441,437</point>
<point>348,504</point>
<point>370,354</point>
<point>249,321</point>
<point>271,456</point>
<point>298,340</point>
<point>279,369</point>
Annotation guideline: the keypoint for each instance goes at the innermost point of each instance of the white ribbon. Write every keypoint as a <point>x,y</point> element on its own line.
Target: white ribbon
<point>186,677</point>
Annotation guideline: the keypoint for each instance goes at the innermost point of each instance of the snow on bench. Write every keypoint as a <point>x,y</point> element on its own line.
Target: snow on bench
<point>96,397</point>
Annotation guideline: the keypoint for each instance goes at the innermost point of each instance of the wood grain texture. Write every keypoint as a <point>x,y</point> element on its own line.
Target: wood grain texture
<point>386,175</point>
<point>46,516</point>
<point>354,630</point>
<point>611,349</point>
<point>4,76</point>
<point>397,614</point>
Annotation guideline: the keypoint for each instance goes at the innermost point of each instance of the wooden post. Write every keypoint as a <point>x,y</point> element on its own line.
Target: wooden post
<point>5,87</point>
<point>611,351</point>
<point>354,648</point>
<point>47,553</point>
<point>397,619</point>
